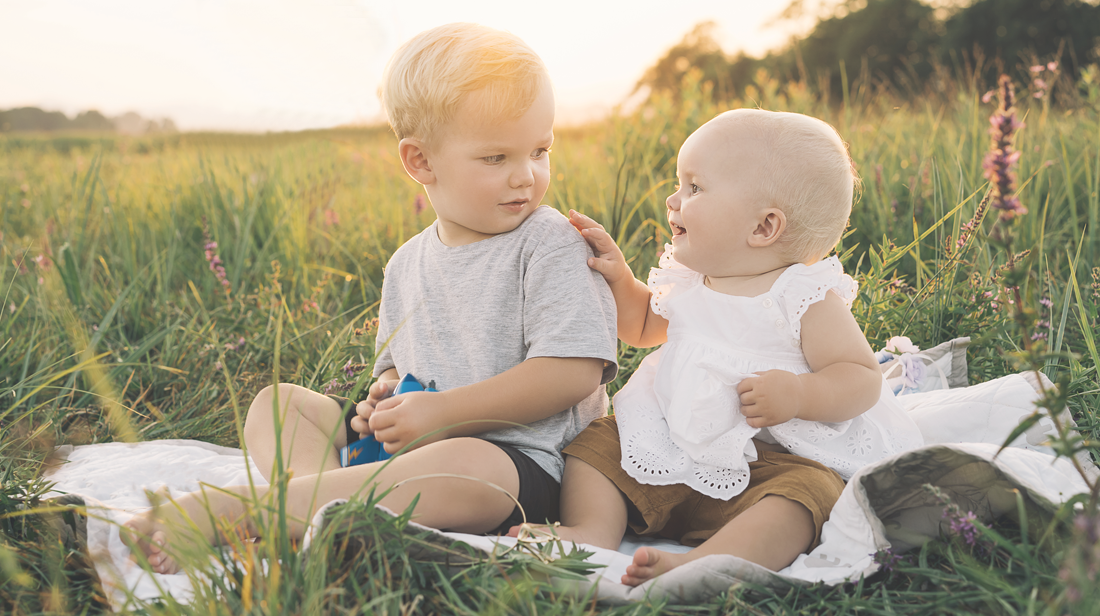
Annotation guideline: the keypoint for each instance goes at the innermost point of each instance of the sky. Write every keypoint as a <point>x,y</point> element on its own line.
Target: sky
<point>269,65</point>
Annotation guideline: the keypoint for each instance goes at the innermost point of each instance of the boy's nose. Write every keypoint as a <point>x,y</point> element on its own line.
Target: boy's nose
<point>672,203</point>
<point>522,177</point>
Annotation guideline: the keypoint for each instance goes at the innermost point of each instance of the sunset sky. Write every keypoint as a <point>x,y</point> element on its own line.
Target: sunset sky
<point>256,65</point>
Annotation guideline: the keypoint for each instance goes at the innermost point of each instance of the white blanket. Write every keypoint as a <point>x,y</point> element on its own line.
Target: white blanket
<point>883,506</point>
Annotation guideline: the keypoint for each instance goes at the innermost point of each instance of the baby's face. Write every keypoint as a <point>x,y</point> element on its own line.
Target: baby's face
<point>490,175</point>
<point>712,213</point>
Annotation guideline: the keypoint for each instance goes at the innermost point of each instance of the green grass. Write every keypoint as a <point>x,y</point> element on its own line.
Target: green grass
<point>121,331</point>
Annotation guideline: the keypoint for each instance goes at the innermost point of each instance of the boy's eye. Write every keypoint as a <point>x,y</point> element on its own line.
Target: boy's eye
<point>539,153</point>
<point>694,189</point>
<point>496,158</point>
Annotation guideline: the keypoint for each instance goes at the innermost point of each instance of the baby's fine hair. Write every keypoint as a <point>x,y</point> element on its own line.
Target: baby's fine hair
<point>429,77</point>
<point>807,173</point>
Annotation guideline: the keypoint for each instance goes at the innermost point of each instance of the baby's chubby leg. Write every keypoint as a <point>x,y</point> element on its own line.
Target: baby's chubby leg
<point>771,533</point>
<point>593,510</point>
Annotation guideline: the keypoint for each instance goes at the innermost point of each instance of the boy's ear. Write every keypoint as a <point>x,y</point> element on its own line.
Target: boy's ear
<point>414,158</point>
<point>769,226</point>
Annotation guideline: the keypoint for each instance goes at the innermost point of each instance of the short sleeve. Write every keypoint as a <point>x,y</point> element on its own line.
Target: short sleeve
<point>568,309</point>
<point>669,279</point>
<point>801,286</point>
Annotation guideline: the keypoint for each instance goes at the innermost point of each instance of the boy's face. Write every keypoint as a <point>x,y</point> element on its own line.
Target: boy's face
<point>715,207</point>
<point>489,176</point>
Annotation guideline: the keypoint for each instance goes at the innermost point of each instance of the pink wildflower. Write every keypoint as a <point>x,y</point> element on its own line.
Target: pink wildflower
<point>419,204</point>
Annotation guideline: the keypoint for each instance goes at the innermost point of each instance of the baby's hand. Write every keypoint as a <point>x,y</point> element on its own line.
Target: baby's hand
<point>379,390</point>
<point>609,260</point>
<point>770,399</point>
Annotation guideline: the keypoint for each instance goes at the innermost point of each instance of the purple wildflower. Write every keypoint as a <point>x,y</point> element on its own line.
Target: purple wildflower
<point>348,371</point>
<point>210,248</point>
<point>1082,562</point>
<point>1002,157</point>
<point>419,204</point>
<point>887,560</point>
<point>1038,68</point>
<point>235,346</point>
<point>962,524</point>
<point>1046,302</point>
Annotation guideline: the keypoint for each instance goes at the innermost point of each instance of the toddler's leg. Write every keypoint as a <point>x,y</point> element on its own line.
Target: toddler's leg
<point>771,533</point>
<point>593,510</point>
<point>309,420</point>
<point>446,502</point>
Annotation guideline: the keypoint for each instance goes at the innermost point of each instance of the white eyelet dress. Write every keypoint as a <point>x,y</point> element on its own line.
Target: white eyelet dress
<point>679,415</point>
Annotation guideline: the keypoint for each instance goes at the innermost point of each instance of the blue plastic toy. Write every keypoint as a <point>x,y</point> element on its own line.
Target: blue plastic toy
<point>367,449</point>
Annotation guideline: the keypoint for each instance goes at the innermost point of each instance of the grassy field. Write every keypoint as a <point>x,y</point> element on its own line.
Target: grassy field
<point>114,327</point>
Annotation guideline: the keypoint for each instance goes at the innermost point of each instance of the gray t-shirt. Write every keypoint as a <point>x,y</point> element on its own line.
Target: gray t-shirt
<point>460,315</point>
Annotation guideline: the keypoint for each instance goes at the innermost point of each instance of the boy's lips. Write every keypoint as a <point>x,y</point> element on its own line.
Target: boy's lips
<point>515,205</point>
<point>677,230</point>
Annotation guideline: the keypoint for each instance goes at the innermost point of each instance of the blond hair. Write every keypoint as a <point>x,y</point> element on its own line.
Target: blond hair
<point>806,172</point>
<point>430,76</point>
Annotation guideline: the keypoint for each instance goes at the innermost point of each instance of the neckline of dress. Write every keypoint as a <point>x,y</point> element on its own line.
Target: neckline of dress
<point>794,267</point>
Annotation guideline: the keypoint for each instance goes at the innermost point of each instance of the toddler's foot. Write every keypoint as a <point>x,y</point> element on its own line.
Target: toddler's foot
<point>147,534</point>
<point>649,563</point>
<point>153,532</point>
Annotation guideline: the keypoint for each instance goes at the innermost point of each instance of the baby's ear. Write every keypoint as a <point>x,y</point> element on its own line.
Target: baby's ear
<point>414,157</point>
<point>770,224</point>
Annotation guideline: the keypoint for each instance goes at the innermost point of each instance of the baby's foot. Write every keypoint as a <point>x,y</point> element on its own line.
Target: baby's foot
<point>648,564</point>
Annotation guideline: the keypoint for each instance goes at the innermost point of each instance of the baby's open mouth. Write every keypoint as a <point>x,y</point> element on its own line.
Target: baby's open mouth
<point>677,229</point>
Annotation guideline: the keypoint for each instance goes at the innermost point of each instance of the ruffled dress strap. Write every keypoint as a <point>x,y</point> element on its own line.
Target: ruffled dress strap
<point>669,279</point>
<point>801,286</point>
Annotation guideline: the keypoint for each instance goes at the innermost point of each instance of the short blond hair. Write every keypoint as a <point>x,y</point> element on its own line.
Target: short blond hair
<point>806,172</point>
<point>431,75</point>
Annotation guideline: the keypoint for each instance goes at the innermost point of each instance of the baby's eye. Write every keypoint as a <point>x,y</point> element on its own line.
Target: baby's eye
<point>494,159</point>
<point>539,153</point>
<point>694,189</point>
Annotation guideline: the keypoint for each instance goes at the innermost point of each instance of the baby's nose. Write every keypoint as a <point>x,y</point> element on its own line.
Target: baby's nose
<point>672,202</point>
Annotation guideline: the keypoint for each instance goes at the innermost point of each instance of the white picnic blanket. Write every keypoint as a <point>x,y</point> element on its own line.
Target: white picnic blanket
<point>883,506</point>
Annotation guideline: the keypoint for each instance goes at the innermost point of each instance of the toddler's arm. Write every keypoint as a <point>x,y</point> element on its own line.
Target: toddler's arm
<point>845,382</point>
<point>535,389</point>
<point>638,325</point>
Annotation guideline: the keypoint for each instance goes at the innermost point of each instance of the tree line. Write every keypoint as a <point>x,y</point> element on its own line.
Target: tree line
<point>901,44</point>
<point>33,119</point>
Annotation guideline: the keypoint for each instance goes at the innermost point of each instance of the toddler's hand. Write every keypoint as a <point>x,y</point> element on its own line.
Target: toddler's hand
<point>772,398</point>
<point>379,390</point>
<point>609,260</point>
<point>402,419</point>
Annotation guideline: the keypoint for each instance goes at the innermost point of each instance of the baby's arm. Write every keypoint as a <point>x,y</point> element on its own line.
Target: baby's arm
<point>534,389</point>
<point>638,325</point>
<point>845,382</point>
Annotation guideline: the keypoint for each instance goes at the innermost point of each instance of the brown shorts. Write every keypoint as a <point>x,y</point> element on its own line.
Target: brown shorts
<point>539,492</point>
<point>680,513</point>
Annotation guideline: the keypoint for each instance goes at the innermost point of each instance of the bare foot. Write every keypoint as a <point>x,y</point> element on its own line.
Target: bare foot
<point>648,564</point>
<point>152,532</point>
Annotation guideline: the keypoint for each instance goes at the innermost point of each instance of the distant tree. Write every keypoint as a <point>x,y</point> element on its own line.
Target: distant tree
<point>91,120</point>
<point>698,50</point>
<point>893,36</point>
<point>1016,30</point>
<point>32,119</point>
